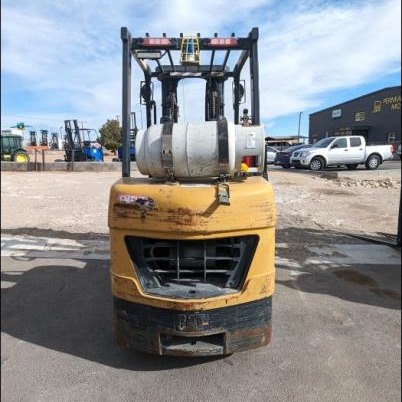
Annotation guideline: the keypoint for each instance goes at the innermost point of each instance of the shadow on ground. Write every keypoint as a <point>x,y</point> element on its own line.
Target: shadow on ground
<point>69,309</point>
<point>314,236</point>
<point>375,285</point>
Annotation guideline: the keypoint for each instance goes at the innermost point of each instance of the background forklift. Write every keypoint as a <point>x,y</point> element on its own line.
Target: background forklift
<point>11,149</point>
<point>32,138</point>
<point>44,142</point>
<point>78,144</point>
<point>193,242</point>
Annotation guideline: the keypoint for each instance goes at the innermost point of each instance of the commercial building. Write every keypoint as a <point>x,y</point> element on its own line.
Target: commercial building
<point>376,116</point>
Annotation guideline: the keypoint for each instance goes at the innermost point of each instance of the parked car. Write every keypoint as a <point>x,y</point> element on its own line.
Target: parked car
<point>282,158</point>
<point>271,153</point>
<point>347,150</point>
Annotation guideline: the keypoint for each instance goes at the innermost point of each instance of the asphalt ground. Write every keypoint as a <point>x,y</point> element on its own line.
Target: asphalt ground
<point>336,330</point>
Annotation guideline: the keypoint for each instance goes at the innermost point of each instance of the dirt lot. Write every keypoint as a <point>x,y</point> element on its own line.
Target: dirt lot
<point>358,201</point>
<point>336,314</point>
<point>77,202</point>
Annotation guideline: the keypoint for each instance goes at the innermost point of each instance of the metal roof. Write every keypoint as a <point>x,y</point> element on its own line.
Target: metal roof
<point>355,99</point>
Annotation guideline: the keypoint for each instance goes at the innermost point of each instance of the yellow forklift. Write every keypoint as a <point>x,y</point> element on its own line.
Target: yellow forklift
<point>193,240</point>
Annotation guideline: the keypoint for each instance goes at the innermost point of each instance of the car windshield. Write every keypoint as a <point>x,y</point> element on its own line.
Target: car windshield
<point>323,143</point>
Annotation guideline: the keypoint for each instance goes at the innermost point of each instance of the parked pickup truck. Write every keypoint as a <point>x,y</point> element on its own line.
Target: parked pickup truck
<point>349,150</point>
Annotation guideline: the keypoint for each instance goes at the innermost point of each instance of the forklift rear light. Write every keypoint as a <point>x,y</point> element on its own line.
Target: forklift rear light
<point>250,160</point>
<point>222,42</point>
<point>157,42</point>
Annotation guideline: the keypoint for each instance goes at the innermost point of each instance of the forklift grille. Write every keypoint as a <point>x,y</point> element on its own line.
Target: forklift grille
<point>186,268</point>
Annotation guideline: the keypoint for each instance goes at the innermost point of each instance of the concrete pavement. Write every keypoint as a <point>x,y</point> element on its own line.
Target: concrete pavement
<point>336,330</point>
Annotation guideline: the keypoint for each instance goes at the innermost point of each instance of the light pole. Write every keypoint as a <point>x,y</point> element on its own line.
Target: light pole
<point>298,130</point>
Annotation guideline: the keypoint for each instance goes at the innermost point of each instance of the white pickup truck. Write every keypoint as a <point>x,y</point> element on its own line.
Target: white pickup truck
<point>348,150</point>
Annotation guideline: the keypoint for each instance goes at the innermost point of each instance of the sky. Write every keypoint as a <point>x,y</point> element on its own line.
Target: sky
<point>62,59</point>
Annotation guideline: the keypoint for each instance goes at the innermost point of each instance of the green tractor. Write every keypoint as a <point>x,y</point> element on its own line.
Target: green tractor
<point>11,149</point>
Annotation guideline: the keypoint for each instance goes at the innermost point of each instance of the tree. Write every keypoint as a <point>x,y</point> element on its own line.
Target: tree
<point>111,135</point>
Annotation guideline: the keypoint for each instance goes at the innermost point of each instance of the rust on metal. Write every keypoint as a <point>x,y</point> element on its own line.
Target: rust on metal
<point>183,216</point>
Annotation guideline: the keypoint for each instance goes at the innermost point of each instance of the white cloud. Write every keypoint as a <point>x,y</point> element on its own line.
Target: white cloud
<point>326,49</point>
<point>306,49</point>
<point>206,17</point>
<point>54,55</point>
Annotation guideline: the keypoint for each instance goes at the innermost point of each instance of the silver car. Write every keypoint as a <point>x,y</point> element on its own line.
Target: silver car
<point>271,153</point>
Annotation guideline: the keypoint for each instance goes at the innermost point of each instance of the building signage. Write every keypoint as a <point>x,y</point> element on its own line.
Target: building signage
<point>377,106</point>
<point>392,102</point>
<point>336,113</point>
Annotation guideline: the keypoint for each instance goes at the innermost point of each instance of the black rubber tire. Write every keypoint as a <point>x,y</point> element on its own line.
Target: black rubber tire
<point>352,166</point>
<point>317,164</point>
<point>286,166</point>
<point>373,162</point>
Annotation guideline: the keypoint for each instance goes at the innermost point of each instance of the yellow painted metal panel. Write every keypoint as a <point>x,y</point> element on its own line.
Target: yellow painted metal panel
<point>192,208</point>
<point>192,212</point>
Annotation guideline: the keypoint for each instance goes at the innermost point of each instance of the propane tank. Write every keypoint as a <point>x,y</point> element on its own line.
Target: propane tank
<point>198,150</point>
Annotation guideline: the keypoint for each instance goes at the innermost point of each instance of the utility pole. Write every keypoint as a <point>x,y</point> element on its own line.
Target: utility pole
<point>298,130</point>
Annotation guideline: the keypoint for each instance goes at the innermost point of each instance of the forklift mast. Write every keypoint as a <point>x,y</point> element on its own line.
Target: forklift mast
<point>32,138</point>
<point>169,74</point>
<point>73,137</point>
<point>55,141</point>
<point>44,139</point>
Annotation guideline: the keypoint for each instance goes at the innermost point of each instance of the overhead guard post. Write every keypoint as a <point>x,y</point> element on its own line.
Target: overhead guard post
<point>126,101</point>
<point>254,78</point>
